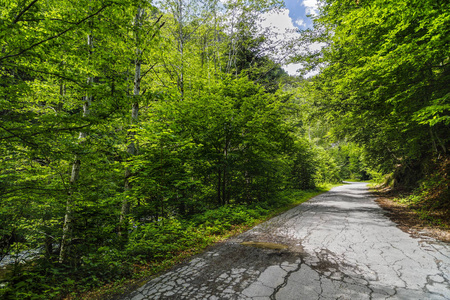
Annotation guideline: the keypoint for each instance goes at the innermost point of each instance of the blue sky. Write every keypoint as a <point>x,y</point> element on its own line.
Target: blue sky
<point>283,25</point>
<point>298,9</point>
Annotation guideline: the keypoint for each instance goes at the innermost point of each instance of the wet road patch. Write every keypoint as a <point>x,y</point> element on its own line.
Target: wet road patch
<point>272,246</point>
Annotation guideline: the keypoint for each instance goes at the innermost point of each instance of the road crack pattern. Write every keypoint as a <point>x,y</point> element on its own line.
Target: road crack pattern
<point>340,245</point>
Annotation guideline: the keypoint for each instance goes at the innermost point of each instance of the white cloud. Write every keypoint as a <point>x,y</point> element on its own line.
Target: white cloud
<point>300,23</point>
<point>278,21</point>
<point>280,31</point>
<point>292,69</point>
<point>311,7</point>
<point>281,34</point>
<point>283,37</point>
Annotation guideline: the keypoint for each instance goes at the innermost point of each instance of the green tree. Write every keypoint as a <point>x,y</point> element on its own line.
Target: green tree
<point>385,77</point>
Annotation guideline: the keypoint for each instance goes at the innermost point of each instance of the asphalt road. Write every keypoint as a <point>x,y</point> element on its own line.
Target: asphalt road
<point>339,245</point>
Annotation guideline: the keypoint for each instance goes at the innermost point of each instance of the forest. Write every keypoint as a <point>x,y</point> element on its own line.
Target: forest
<point>134,133</point>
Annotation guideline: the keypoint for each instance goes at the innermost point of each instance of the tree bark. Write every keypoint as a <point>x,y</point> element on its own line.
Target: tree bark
<point>219,185</point>
<point>132,148</point>
<point>75,174</point>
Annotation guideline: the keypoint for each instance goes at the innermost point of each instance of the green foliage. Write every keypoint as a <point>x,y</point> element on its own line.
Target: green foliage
<point>155,241</point>
<point>221,146</point>
<point>163,239</point>
<point>353,163</point>
<point>384,81</point>
<point>304,167</point>
<point>229,215</point>
<point>327,169</point>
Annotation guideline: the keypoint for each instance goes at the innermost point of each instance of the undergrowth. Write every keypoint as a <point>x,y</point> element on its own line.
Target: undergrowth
<point>431,200</point>
<point>151,248</point>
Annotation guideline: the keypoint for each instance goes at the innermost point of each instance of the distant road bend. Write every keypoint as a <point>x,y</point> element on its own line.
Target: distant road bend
<point>339,245</point>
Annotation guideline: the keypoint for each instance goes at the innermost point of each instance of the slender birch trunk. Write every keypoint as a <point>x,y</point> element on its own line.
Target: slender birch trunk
<point>225,177</point>
<point>219,184</point>
<point>75,174</point>
<point>132,148</point>
<point>181,48</point>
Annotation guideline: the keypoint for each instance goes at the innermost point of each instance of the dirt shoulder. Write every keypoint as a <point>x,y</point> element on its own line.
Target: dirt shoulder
<point>408,219</point>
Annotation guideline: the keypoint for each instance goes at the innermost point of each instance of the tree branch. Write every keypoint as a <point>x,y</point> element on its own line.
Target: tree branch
<point>24,11</point>
<point>14,135</point>
<point>55,36</point>
<point>151,68</point>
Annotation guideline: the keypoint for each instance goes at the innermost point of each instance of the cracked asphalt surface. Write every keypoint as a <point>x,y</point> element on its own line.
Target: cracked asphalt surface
<point>340,246</point>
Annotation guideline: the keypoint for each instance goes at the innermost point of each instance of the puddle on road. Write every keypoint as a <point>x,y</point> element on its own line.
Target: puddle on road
<point>272,246</point>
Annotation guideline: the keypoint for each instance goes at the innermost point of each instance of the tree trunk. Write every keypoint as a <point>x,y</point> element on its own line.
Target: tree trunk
<point>224,179</point>
<point>224,185</point>
<point>132,148</point>
<point>75,174</point>
<point>76,166</point>
<point>181,48</point>
<point>219,184</point>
